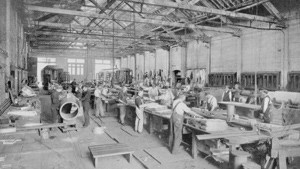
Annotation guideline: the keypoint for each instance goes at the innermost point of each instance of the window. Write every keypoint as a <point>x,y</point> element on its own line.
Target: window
<point>76,66</point>
<point>102,64</point>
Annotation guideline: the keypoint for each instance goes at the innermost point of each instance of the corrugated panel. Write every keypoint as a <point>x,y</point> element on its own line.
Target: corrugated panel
<point>262,51</point>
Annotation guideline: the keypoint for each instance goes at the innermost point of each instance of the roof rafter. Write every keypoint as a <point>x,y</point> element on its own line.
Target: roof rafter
<point>137,20</point>
<point>204,10</point>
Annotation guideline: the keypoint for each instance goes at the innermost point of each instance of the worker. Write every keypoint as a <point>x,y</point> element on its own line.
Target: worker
<point>139,110</point>
<point>265,106</point>
<point>187,87</point>
<point>55,103</point>
<point>227,95</point>
<point>211,102</point>
<point>167,98</point>
<point>73,84</point>
<point>98,102</point>
<point>86,96</point>
<point>179,109</point>
<point>153,92</point>
<point>236,92</point>
<point>123,99</point>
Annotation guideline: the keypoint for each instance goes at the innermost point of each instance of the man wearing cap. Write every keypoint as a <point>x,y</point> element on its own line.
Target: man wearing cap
<point>265,106</point>
<point>123,99</point>
<point>139,110</point>
<point>179,109</point>
<point>86,96</point>
<point>55,103</point>
<point>98,101</point>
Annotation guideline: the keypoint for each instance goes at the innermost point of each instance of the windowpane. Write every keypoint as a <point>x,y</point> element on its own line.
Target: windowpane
<point>106,61</point>
<point>80,60</point>
<point>81,70</point>
<point>97,61</point>
<point>71,60</point>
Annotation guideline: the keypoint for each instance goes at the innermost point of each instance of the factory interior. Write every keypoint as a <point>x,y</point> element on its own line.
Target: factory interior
<point>150,84</point>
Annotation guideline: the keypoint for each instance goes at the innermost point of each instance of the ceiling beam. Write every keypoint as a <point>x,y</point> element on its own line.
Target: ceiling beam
<point>204,10</point>
<point>272,10</point>
<point>137,20</point>
<point>95,36</point>
<point>138,33</point>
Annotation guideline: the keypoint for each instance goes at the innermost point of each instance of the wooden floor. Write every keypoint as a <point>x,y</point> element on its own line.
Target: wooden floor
<point>70,150</point>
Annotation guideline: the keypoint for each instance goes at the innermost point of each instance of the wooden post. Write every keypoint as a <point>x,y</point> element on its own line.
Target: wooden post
<point>194,145</point>
<point>230,112</point>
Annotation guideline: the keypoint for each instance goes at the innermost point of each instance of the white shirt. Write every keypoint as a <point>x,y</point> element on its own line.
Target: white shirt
<point>213,103</point>
<point>97,93</point>
<point>104,91</point>
<point>180,108</point>
<point>266,102</point>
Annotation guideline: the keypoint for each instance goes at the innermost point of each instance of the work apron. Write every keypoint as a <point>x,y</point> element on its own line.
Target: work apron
<point>176,125</point>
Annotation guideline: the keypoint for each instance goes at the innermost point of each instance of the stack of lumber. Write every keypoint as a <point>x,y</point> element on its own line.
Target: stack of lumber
<point>209,125</point>
<point>155,107</point>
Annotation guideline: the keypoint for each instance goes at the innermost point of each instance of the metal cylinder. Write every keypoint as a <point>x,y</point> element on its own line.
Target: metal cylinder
<point>69,108</point>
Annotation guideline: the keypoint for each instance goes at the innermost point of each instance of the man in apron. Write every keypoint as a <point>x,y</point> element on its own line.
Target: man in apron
<point>123,100</point>
<point>265,106</point>
<point>139,110</point>
<point>179,108</point>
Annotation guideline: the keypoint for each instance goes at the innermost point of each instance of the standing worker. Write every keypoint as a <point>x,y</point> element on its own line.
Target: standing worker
<point>123,99</point>
<point>265,106</point>
<point>179,108</point>
<point>55,103</point>
<point>73,85</point>
<point>86,96</point>
<point>153,92</point>
<point>98,102</point>
<point>226,97</point>
<point>139,110</point>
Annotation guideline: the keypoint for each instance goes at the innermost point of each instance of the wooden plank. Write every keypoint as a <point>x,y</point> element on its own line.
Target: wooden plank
<point>146,160</point>
<point>137,20</point>
<point>237,104</point>
<point>203,10</point>
<point>107,145</point>
<point>164,156</point>
<point>225,135</point>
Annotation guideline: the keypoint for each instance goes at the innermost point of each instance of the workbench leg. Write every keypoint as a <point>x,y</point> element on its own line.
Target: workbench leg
<point>129,156</point>
<point>194,145</point>
<point>170,135</point>
<point>96,162</point>
<point>282,160</point>
<point>150,123</point>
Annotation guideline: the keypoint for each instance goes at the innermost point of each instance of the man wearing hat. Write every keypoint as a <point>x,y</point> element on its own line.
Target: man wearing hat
<point>86,96</point>
<point>265,106</point>
<point>55,103</point>
<point>179,110</point>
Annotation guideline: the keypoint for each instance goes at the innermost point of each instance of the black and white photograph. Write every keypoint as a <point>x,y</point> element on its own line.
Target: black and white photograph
<point>149,84</point>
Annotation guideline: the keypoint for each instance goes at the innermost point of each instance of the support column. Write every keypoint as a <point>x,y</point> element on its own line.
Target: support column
<point>239,59</point>
<point>285,59</point>
<point>208,65</point>
<point>8,59</point>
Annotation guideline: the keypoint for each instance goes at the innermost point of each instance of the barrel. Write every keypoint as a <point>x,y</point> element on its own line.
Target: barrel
<point>69,108</point>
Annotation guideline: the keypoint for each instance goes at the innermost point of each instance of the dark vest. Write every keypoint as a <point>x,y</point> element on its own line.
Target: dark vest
<point>226,96</point>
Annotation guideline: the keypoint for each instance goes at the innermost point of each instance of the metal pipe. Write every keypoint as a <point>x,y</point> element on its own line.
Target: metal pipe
<point>69,108</point>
